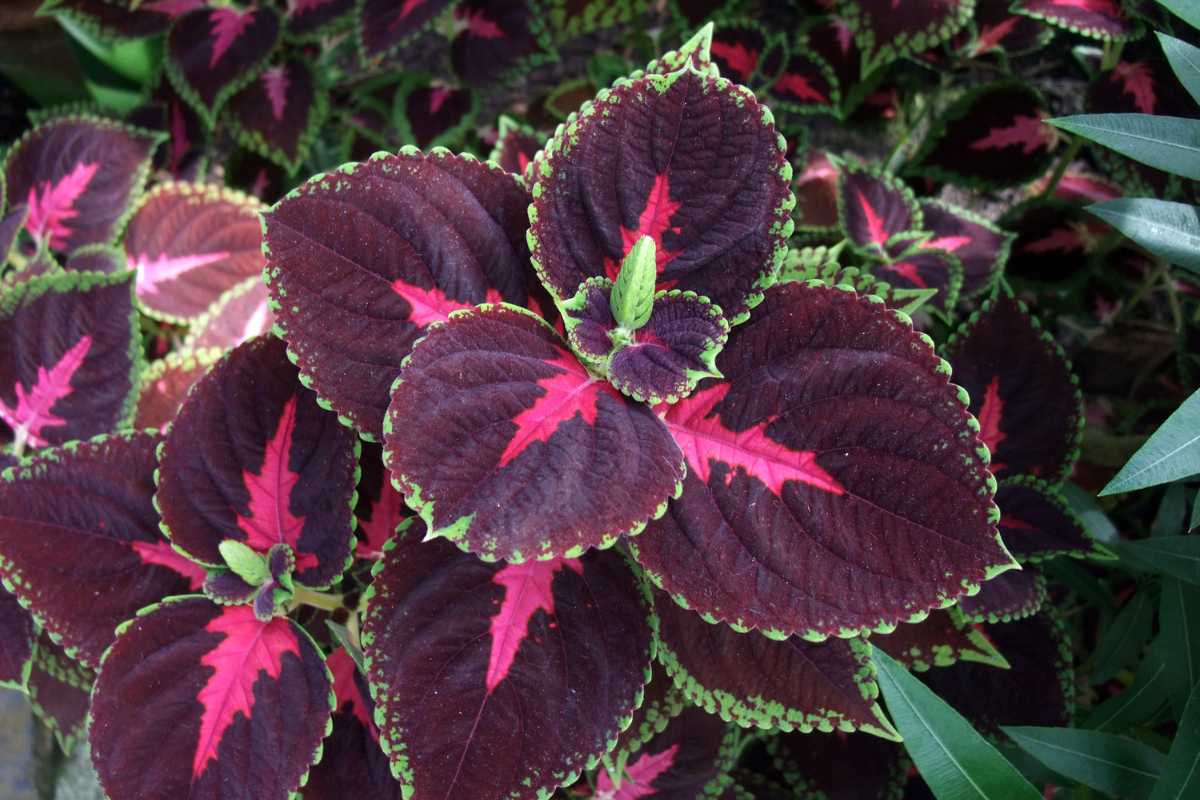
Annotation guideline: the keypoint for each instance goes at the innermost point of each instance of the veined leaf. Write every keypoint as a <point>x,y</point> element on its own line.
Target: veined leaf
<point>1170,230</point>
<point>1124,639</point>
<point>1171,144</point>
<point>1179,632</point>
<point>1172,452</point>
<point>1111,764</point>
<point>1178,556</point>
<point>956,762</point>
<point>1140,700</point>
<point>1186,10</point>
<point>1181,776</point>
<point>1185,61</point>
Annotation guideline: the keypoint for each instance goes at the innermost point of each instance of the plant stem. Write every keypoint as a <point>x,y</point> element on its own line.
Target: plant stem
<point>1112,54</point>
<point>321,600</point>
<point>1061,168</point>
<point>1173,301</point>
<point>1156,275</point>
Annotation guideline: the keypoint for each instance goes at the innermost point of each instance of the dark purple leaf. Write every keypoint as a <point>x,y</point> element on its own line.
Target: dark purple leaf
<point>713,195</point>
<point>979,244</point>
<point>384,25</point>
<point>840,766</point>
<point>833,40</point>
<point>16,642</point>
<point>1012,596</point>
<point>941,640</point>
<point>60,691</point>
<point>78,176</point>
<point>827,493</point>
<point>759,682</point>
<point>507,445</point>
<point>992,137</point>
<point>414,238</point>
<point>380,508</point>
<point>241,313</point>
<point>516,145</point>
<point>165,384</point>
<point>1036,523</point>
<point>85,566</point>
<point>806,84</point>
<point>190,243</point>
<point>434,113</point>
<point>311,19</point>
<point>252,457</point>
<point>213,52</point>
<point>736,49</point>
<point>501,680</point>
<point>1142,82</point>
<point>69,359</point>
<point>96,258</point>
<point>1054,241</point>
<point>921,267</point>
<point>10,225</point>
<point>662,701</point>
<point>241,705</point>
<point>278,113</point>
<point>1022,390</point>
<point>874,207</point>
<point>998,29</point>
<point>496,36</point>
<point>1099,19</point>
<point>886,30</point>
<point>113,20</point>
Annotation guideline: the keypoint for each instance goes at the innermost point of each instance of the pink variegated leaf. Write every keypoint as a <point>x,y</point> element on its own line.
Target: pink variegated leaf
<point>17,636</point>
<point>833,40</point>
<point>414,238</point>
<point>542,662</point>
<point>886,30</point>
<point>978,243</point>
<point>433,113</point>
<point>60,692</point>
<point>380,508</point>
<point>240,314</point>
<point>737,49</point>
<point>69,358</point>
<point>78,176</point>
<point>251,457</point>
<point>516,145</point>
<point>998,29</point>
<point>165,384</point>
<point>312,19</point>
<point>1055,241</point>
<point>86,566</point>
<point>385,25</point>
<point>243,704</point>
<point>278,113</point>
<point>874,207</point>
<point>1099,19</point>
<point>923,267</point>
<point>1142,82</point>
<point>496,38</point>
<point>190,243</point>
<point>805,84</point>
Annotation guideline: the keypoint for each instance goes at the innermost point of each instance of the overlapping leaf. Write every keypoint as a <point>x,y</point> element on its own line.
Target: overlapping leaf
<point>874,208</point>
<point>996,28</point>
<point>307,19</point>
<point>384,25</point>
<point>1099,19</point>
<point>165,384</point>
<point>1054,241</point>
<point>1011,596</point>
<point>241,313</point>
<point>60,692</point>
<point>17,636</point>
<point>380,507</point>
<point>497,36</point>
<point>516,145</point>
<point>840,766</point>
<point>941,640</point>
<point>885,30</point>
<point>923,267</point>
<point>805,84</point>
<point>979,244</point>
<point>433,113</point>
<point>416,237</point>
<point>1036,523</point>
<point>278,113</point>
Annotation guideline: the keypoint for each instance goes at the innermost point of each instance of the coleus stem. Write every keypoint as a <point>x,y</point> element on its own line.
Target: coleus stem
<point>322,600</point>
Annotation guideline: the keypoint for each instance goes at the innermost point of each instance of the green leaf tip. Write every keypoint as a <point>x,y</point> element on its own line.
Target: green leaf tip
<point>632,299</point>
<point>245,563</point>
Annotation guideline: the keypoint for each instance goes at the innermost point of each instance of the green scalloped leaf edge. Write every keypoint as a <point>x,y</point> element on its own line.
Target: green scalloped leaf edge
<point>315,118</point>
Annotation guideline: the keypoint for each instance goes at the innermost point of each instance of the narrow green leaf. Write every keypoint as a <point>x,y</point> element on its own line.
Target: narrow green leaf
<point>1171,453</point>
<point>1107,763</point>
<point>247,564</point>
<point>1171,144</point>
<point>1123,641</point>
<point>1186,10</point>
<point>1094,520</point>
<point>1195,520</point>
<point>1178,556</point>
<point>1179,635</point>
<point>1185,60</point>
<point>1171,511</point>
<point>632,298</point>
<point>956,762</point>
<point>1181,776</point>
<point>1169,230</point>
<point>1140,701</point>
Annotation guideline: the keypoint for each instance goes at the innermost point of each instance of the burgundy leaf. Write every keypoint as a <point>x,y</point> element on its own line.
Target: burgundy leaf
<point>1022,390</point>
<point>944,638</point>
<point>886,30</point>
<point>278,113</point>
<point>252,457</point>
<point>380,508</point>
<point>713,195</point>
<point>78,176</point>
<point>497,680</point>
<point>497,35</point>
<point>190,243</point>
<point>86,566</point>
<point>242,705</point>
<point>736,49</point>
<point>921,267</point>
<point>873,207</point>
<point>1013,595</point>
<point>991,137</point>
<point>840,766</point>
<point>120,21</point>
<point>690,759</point>
<point>213,52</point>
<point>1142,82</point>
<point>833,40</point>
<point>516,145</point>
<point>998,29</point>
<point>10,225</point>
<point>507,445</point>
<point>980,245</point>
<point>434,113</point>
<point>816,189</point>
<point>835,482</point>
<point>805,84</point>
<point>241,313</point>
<point>352,764</point>
<point>1099,19</point>
<point>1039,689</point>
<point>165,384</point>
<point>1054,241</point>
<point>60,691</point>
<point>16,642</point>
<point>96,258</point>
<point>68,357</point>
<point>311,19</point>
<point>1036,523</point>
<point>760,682</point>
<point>415,238</point>
<point>384,25</point>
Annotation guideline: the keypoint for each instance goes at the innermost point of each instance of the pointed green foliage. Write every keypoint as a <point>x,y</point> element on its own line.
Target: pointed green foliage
<point>1168,521</point>
<point>1171,144</point>
<point>1179,633</point>
<point>633,294</point>
<point>245,563</point>
<point>1186,10</point>
<point>1124,639</point>
<point>1169,230</point>
<point>956,762</point>
<point>1173,452</point>
<point>1115,765</point>
<point>1140,701</point>
<point>1178,556</point>
<point>1185,61</point>
<point>1181,776</point>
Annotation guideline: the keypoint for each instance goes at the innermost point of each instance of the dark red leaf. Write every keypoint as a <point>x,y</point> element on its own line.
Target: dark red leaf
<point>736,49</point>
<point>60,692</point>
<point>979,244</point>
<point>922,267</point>
<point>69,359</point>
<point>242,705</point>
<point>497,680</point>
<point>384,25</point>
<point>1022,390</point>
<point>998,29</point>
<point>826,493</point>
<point>278,113</point>
<point>190,243</point>
<point>1036,523</point>
<point>434,113</point>
<point>78,176</point>
<point>311,19</point>
<point>516,145</point>
<point>241,313</point>
<point>840,766</point>
<point>1013,595</point>
<point>941,640</point>
<point>714,195</point>
<point>96,258</point>
<point>414,238</point>
<point>886,30</point>
<point>252,457</point>
<point>213,52</point>
<point>873,207</point>
<point>497,35</point>
<point>1054,241</point>
<point>1099,19</point>
<point>380,507</point>
<point>165,384</point>
<point>759,682</point>
<point>833,40</point>
<point>805,84</point>
<point>16,642</point>
<point>992,137</point>
<point>86,566</point>
<point>507,445</point>
<point>11,225</point>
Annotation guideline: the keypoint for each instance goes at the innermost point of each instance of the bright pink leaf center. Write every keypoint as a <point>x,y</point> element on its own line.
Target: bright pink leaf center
<point>32,413</point>
<point>275,83</point>
<point>163,555</point>
<point>703,439</point>
<point>527,589</point>
<point>876,230</point>
<point>478,25</point>
<point>227,25</point>
<point>346,690</point>
<point>432,305</point>
<point>909,272</point>
<point>437,98</point>
<point>947,243</point>
<point>654,221</point>
<point>173,8</point>
<point>642,773</point>
<point>250,648</point>
<point>990,413</point>
<point>1105,7</point>
<point>386,514</point>
<point>800,87</point>
<point>990,36</point>
<point>271,520</point>
<point>406,9</point>
<point>50,208</point>
<point>1139,83</point>
<point>1026,131</point>
<point>153,271</point>
<point>740,58</point>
